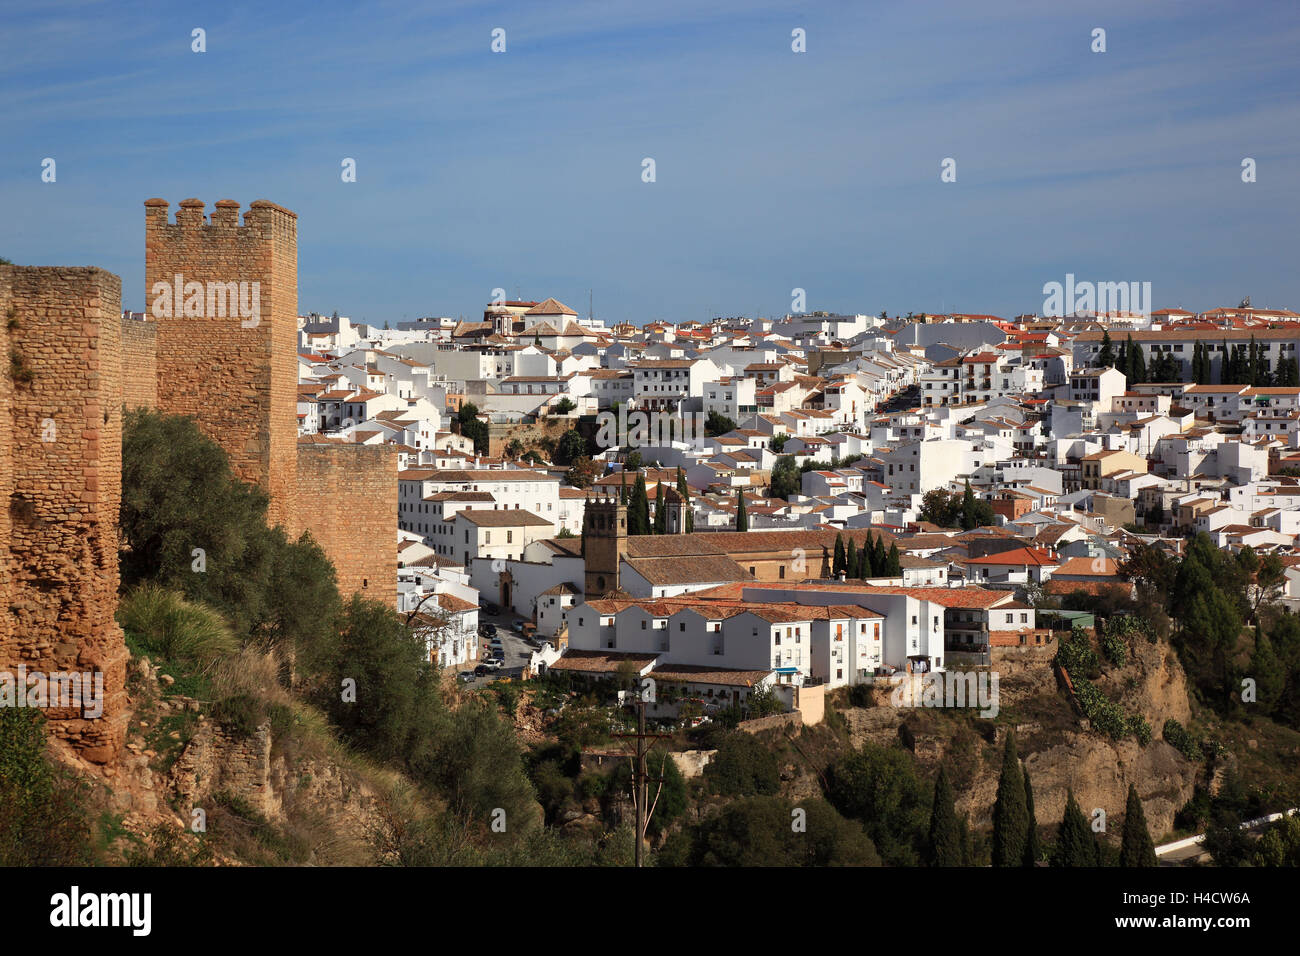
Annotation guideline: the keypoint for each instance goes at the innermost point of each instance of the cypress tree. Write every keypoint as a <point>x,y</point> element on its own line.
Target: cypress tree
<point>867,561</point>
<point>742,519</point>
<point>893,564</point>
<point>1032,845</point>
<point>1252,366</point>
<point>622,487</point>
<point>1075,843</point>
<point>1225,365</point>
<point>1136,849</point>
<point>840,559</point>
<point>1010,819</point>
<point>879,557</point>
<point>946,844</point>
<point>661,512</point>
<point>967,841</point>
<point>851,561</point>
<point>638,508</point>
<point>1139,365</point>
<point>1106,357</point>
<point>1129,366</point>
<point>1288,373</point>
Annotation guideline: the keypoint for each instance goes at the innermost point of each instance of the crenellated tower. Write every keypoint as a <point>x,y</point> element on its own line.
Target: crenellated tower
<point>225,299</point>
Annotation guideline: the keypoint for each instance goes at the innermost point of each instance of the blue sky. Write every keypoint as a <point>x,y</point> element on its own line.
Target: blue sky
<point>775,170</point>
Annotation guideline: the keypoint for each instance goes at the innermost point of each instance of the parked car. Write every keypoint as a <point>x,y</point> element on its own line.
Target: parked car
<point>494,663</point>
<point>466,676</point>
<point>491,609</point>
<point>481,670</point>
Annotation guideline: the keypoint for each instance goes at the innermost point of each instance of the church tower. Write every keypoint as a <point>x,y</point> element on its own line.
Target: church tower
<point>604,543</point>
<point>675,508</point>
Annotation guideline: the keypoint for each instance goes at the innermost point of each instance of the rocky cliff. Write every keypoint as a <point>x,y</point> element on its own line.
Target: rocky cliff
<point>1059,749</point>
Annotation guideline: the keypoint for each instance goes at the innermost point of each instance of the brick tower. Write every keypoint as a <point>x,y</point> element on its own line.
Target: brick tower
<point>60,494</point>
<point>604,543</point>
<point>225,298</point>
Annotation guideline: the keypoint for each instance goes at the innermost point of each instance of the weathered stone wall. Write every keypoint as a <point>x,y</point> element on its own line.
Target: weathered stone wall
<point>61,448</point>
<point>217,759</point>
<point>347,499</point>
<point>691,763</point>
<point>528,435</point>
<point>139,364</point>
<point>792,721</point>
<point>284,785</point>
<point>236,376</point>
<point>8,315</point>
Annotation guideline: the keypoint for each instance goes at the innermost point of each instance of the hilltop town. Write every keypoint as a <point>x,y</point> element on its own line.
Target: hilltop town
<point>1077,530</point>
<point>991,463</point>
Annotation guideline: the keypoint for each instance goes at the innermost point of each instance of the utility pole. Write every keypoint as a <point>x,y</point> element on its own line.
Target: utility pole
<point>640,781</point>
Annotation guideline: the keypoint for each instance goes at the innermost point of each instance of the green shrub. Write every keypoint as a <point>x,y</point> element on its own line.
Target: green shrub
<point>170,846</point>
<point>1115,649</point>
<point>1105,715</point>
<point>190,526</point>
<point>1076,655</point>
<point>241,713</point>
<point>166,625</point>
<point>1141,729</point>
<point>592,785</point>
<point>1177,737</point>
<point>742,767</point>
<point>42,822</point>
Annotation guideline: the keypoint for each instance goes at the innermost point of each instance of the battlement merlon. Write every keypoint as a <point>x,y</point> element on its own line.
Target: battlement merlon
<point>272,221</point>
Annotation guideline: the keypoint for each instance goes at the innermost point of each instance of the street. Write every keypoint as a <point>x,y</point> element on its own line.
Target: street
<point>516,652</point>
